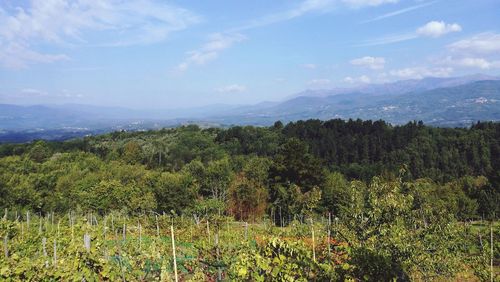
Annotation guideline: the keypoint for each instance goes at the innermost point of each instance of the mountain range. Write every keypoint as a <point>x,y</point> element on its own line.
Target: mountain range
<point>455,101</point>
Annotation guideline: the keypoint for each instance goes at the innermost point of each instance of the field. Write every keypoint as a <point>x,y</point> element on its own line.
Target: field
<point>134,249</point>
<point>324,201</point>
<point>116,247</point>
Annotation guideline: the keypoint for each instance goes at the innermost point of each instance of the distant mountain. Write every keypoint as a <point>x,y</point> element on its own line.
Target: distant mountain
<point>451,106</point>
<point>436,101</point>
<point>400,87</point>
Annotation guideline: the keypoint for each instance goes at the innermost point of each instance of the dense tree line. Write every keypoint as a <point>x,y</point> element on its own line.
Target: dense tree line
<point>283,171</point>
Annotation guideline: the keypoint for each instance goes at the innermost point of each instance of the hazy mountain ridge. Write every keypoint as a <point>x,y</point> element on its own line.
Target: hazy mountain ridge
<point>399,87</point>
<point>453,106</point>
<point>461,102</point>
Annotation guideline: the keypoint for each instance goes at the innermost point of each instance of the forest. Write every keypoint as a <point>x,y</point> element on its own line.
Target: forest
<point>405,203</point>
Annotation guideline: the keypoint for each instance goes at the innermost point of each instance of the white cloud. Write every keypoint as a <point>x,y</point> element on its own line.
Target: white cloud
<point>437,29</point>
<point>65,93</point>
<point>421,72</point>
<point>431,29</point>
<point>480,51</point>
<point>62,23</point>
<point>472,62</point>
<point>319,82</point>
<point>483,43</point>
<point>32,92</point>
<point>364,3</point>
<point>233,88</point>
<point>360,79</point>
<point>309,66</point>
<point>305,7</point>
<point>206,53</point>
<point>210,50</point>
<point>374,63</point>
<point>17,55</point>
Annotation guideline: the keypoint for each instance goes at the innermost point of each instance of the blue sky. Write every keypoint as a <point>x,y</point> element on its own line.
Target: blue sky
<point>167,54</point>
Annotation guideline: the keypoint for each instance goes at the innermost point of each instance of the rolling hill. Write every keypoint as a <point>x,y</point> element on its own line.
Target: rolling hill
<point>445,102</point>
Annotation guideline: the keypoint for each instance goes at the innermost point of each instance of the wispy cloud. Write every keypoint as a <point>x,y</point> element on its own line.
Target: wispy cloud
<point>228,38</point>
<point>309,6</point>
<point>483,43</point>
<point>400,12</point>
<point>363,79</point>
<point>365,3</point>
<point>17,55</point>
<point>472,62</point>
<point>309,66</point>
<point>37,93</point>
<point>60,23</point>
<point>421,72</point>
<point>389,39</point>
<point>232,88</point>
<point>480,51</point>
<point>319,82</point>
<point>210,50</point>
<point>32,92</point>
<point>432,29</point>
<point>305,7</point>
<point>374,63</point>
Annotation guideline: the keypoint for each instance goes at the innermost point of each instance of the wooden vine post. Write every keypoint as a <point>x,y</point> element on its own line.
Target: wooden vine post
<point>140,236</point>
<point>157,227</point>
<point>55,252</point>
<point>313,245</point>
<point>219,270</point>
<point>86,242</point>
<point>173,252</point>
<point>40,226</point>
<point>6,245</point>
<point>491,250</point>
<point>44,248</point>
<point>124,233</point>
<point>208,231</point>
<point>329,233</point>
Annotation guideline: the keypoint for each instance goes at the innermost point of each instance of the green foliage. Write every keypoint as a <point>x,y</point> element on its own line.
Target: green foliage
<point>401,199</point>
<point>395,235</point>
<point>278,260</point>
<point>175,191</point>
<point>40,151</point>
<point>132,153</point>
<point>247,199</point>
<point>334,193</point>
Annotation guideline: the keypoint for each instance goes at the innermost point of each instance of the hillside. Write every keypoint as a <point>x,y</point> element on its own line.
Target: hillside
<point>452,106</point>
<point>446,102</point>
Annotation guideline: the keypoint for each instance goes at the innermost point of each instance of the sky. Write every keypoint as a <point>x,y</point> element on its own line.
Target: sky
<point>178,54</point>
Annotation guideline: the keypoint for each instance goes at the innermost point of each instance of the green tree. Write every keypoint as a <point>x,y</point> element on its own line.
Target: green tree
<point>132,153</point>
<point>175,191</point>
<point>40,151</point>
<point>218,176</point>
<point>247,198</point>
<point>334,193</point>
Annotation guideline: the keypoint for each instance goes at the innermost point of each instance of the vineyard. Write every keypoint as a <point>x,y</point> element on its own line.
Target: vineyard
<point>309,201</point>
<point>116,247</point>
